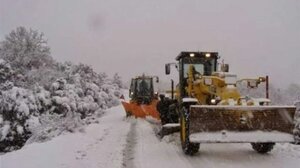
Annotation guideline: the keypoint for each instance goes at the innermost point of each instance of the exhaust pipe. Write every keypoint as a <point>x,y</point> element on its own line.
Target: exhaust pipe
<point>172,89</point>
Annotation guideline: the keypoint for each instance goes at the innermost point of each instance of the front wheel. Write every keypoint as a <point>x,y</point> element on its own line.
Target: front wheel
<point>188,147</point>
<point>262,147</point>
<point>128,114</point>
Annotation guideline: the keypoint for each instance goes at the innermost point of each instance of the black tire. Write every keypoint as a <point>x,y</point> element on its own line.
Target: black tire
<point>262,148</point>
<point>188,147</point>
<point>128,114</point>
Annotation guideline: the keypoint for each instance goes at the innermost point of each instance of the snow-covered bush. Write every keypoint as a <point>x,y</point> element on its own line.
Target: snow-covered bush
<point>6,72</point>
<point>16,106</point>
<point>42,77</point>
<point>75,100</point>
<point>41,98</point>
<point>111,93</point>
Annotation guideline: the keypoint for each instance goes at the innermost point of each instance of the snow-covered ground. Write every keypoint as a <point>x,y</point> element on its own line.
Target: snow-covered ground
<point>100,145</point>
<point>152,152</point>
<point>119,142</point>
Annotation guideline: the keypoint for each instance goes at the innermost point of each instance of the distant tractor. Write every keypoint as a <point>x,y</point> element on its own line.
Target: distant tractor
<point>211,109</point>
<point>143,99</point>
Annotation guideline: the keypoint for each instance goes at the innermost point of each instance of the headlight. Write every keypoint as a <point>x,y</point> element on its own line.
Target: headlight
<point>192,54</point>
<point>213,101</point>
<point>207,55</point>
<point>262,79</point>
<point>131,93</point>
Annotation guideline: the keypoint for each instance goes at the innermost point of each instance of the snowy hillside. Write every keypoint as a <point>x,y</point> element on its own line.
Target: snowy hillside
<point>41,98</point>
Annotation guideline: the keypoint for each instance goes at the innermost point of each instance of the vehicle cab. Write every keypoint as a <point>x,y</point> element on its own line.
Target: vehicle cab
<point>203,63</point>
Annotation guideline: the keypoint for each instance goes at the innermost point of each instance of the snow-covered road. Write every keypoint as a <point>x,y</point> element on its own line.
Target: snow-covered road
<point>100,145</point>
<point>152,152</point>
<point>118,142</point>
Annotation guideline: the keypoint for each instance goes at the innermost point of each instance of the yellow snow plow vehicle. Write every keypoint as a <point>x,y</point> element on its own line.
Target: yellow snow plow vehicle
<point>143,99</point>
<point>211,109</point>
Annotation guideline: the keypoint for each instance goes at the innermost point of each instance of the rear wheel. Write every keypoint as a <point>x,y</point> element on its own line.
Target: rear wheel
<point>262,147</point>
<point>188,147</point>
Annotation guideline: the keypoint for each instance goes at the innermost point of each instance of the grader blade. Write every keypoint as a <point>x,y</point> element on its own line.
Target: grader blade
<point>241,123</point>
<point>141,110</point>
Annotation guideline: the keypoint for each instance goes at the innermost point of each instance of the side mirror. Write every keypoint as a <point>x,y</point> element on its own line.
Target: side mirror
<point>168,69</point>
<point>225,68</point>
<point>157,79</point>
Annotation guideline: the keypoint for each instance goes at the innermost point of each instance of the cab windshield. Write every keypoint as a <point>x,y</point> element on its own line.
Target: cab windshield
<point>202,66</point>
<point>199,68</point>
<point>143,87</point>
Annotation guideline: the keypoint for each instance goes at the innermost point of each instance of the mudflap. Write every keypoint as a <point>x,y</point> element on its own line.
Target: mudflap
<point>141,110</point>
<point>211,124</point>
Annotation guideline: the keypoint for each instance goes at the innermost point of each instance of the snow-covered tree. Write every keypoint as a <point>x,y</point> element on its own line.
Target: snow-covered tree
<point>6,72</point>
<point>118,80</point>
<point>42,77</point>
<point>293,91</point>
<point>25,49</point>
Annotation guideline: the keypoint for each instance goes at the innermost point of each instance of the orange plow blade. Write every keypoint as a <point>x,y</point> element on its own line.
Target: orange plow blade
<point>141,110</point>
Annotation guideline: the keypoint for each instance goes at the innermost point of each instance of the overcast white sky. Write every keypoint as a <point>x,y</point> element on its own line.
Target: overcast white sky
<point>256,37</point>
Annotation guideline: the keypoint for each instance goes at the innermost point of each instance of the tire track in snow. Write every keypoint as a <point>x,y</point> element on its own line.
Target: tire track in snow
<point>154,152</point>
<point>129,149</point>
